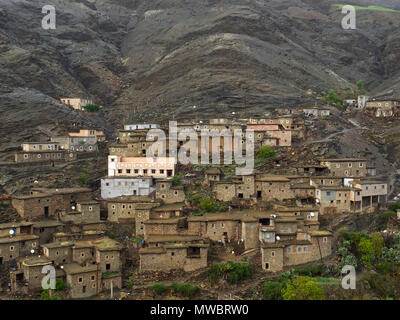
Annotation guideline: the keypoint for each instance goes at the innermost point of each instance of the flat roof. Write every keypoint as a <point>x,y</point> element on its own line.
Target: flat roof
<point>74,268</point>
<point>58,244</point>
<point>273,179</point>
<point>15,225</point>
<point>170,207</point>
<point>172,237</point>
<point>47,223</point>
<point>164,221</point>
<point>103,243</point>
<point>343,159</point>
<point>21,237</point>
<point>36,261</point>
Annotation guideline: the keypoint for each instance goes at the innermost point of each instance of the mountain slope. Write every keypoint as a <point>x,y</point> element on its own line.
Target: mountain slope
<point>161,57</point>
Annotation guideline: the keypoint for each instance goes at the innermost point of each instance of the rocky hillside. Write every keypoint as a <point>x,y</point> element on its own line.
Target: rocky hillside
<point>162,57</point>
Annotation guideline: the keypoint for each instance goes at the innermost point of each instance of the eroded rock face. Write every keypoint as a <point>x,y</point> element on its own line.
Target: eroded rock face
<point>160,56</point>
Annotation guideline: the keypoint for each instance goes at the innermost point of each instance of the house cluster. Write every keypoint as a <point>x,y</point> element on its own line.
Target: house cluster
<point>60,148</point>
<point>61,228</point>
<point>276,215</point>
<point>379,107</point>
<point>335,185</point>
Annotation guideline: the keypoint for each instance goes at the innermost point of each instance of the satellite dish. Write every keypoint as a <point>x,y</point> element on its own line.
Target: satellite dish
<point>73,207</point>
<point>12,232</point>
<point>62,267</point>
<point>278,238</point>
<point>312,214</point>
<point>35,181</point>
<point>32,251</point>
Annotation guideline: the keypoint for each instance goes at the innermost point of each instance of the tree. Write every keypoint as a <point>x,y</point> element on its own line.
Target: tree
<point>272,290</point>
<point>302,288</point>
<point>92,107</point>
<point>333,98</point>
<point>360,87</point>
<point>265,152</point>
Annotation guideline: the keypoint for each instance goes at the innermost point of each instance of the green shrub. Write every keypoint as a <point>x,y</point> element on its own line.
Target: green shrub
<point>60,285</point>
<point>272,290</point>
<point>231,271</point>
<point>159,288</point>
<point>92,107</point>
<point>311,271</point>
<point>207,204</point>
<point>45,295</point>
<point>394,206</point>
<point>83,179</point>
<point>302,288</point>
<point>265,152</point>
<point>185,289</point>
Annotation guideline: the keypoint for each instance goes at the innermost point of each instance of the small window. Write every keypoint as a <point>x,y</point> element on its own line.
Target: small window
<point>80,279</point>
<point>272,253</point>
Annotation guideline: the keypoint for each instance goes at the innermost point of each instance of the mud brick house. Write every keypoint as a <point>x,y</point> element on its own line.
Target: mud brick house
<point>212,174</point>
<point>166,219</point>
<point>285,122</point>
<point>367,194</point>
<point>172,252</point>
<point>44,202</point>
<point>271,134</point>
<point>315,246</point>
<point>76,103</point>
<point>333,199</point>
<point>159,167</point>
<point>131,209</point>
<point>327,181</point>
<point>78,142</point>
<point>84,211</point>
<point>128,136</point>
<point>274,188</point>
<point>39,152</point>
<point>169,193</point>
<point>16,240</point>
<point>309,215</point>
<point>317,112</point>
<point>28,276</point>
<point>239,187</point>
<point>46,228</point>
<point>59,253</point>
<point>312,170</point>
<point>83,281</point>
<point>346,167</point>
<point>303,192</point>
<point>88,133</point>
<point>383,107</point>
<point>112,187</point>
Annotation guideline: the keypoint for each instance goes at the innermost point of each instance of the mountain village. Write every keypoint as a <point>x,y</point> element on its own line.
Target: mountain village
<point>173,215</point>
